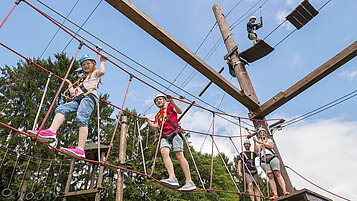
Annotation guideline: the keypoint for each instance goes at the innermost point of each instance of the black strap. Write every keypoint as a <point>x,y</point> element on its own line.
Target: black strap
<point>80,97</point>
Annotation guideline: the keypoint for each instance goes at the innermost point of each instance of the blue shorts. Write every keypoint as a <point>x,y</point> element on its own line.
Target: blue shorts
<point>84,109</point>
<point>176,145</point>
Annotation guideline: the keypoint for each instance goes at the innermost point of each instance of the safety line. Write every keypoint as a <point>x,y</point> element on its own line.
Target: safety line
<point>8,14</point>
<point>316,184</point>
<point>118,120</point>
<point>53,37</point>
<point>212,136</point>
<point>157,147</point>
<point>141,145</point>
<point>58,92</point>
<point>13,171</point>
<point>194,162</point>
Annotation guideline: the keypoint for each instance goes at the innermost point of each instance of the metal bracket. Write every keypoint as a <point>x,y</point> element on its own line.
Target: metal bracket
<point>235,48</point>
<point>81,43</point>
<point>17,2</point>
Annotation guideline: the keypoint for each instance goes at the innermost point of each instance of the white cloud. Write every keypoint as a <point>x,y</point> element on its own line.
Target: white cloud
<point>292,3</point>
<point>280,17</point>
<point>323,151</point>
<point>349,75</point>
<point>298,60</point>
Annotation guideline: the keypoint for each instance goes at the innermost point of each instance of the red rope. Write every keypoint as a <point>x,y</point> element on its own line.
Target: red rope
<point>34,182</point>
<point>212,136</point>
<point>23,177</point>
<point>13,171</point>
<point>48,171</point>
<point>194,162</point>
<point>7,16</point>
<point>116,125</point>
<point>3,158</point>
<point>58,174</point>
<point>157,147</point>
<point>229,172</point>
<point>141,145</point>
<point>316,184</point>
<point>241,146</point>
<point>246,166</point>
<point>58,92</point>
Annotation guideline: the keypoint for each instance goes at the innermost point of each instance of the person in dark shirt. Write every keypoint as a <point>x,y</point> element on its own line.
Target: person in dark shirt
<point>252,29</point>
<point>250,170</point>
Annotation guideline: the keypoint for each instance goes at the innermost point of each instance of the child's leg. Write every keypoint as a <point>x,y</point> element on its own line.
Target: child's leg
<point>83,134</point>
<point>184,165</point>
<point>57,122</point>
<point>165,153</point>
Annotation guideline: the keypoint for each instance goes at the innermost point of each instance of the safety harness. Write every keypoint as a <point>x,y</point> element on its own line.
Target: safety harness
<point>85,92</point>
<point>253,172</point>
<point>170,136</point>
<point>268,161</point>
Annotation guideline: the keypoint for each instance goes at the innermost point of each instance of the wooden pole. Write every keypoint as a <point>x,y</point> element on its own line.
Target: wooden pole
<point>246,85</point>
<point>122,151</point>
<point>100,178</point>
<point>69,179</point>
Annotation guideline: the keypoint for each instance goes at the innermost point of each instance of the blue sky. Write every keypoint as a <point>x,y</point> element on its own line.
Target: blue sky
<point>189,21</point>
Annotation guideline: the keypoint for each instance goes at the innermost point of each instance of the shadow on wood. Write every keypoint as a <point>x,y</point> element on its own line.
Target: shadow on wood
<point>257,51</point>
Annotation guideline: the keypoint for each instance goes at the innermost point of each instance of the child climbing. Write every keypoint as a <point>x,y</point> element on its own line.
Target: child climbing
<point>172,138</point>
<point>252,29</point>
<point>85,100</point>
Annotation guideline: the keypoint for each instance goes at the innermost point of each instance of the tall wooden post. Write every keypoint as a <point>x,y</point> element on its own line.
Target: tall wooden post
<point>122,153</point>
<point>245,83</point>
<point>100,178</point>
<point>69,179</point>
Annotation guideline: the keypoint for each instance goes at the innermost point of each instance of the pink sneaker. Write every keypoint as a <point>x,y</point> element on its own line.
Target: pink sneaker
<point>44,135</point>
<point>74,151</point>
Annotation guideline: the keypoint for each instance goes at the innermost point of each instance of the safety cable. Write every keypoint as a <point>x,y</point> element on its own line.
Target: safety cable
<point>321,109</point>
<point>157,147</point>
<point>212,137</point>
<point>128,57</point>
<point>85,21</point>
<point>141,145</point>
<point>9,13</point>
<point>54,35</point>
<point>316,184</point>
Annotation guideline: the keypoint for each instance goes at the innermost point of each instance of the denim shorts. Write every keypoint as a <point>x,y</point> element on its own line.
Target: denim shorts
<point>176,145</point>
<point>84,109</point>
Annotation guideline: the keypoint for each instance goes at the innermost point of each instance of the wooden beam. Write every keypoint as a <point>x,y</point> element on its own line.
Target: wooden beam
<point>155,30</point>
<point>325,69</point>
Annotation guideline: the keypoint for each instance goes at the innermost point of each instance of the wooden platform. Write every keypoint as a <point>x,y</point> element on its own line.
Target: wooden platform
<point>303,195</point>
<point>82,195</point>
<point>92,150</point>
<point>302,14</point>
<point>257,51</point>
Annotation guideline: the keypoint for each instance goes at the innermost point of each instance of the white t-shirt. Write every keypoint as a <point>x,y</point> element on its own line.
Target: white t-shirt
<point>267,151</point>
<point>91,83</point>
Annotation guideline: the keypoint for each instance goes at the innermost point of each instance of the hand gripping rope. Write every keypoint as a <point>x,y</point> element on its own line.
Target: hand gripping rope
<point>7,191</point>
<point>59,90</point>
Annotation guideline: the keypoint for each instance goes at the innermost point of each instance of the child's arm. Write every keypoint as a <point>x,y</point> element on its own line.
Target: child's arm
<point>154,126</point>
<point>176,109</point>
<point>101,70</point>
<point>71,88</point>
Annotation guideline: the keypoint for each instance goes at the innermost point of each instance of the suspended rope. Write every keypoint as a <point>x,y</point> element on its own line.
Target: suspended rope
<point>42,99</point>
<point>7,191</point>
<point>158,145</point>
<point>53,37</point>
<point>212,137</point>
<point>59,90</point>
<point>17,195</point>
<point>118,120</point>
<point>316,184</point>
<point>141,145</point>
<point>8,14</point>
<point>2,161</point>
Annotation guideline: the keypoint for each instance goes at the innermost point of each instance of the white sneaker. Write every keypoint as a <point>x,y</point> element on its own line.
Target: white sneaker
<point>171,181</point>
<point>189,186</point>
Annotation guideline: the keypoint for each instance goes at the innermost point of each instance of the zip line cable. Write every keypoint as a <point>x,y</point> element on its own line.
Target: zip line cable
<point>53,37</point>
<point>321,109</point>
<point>85,21</point>
<point>133,61</point>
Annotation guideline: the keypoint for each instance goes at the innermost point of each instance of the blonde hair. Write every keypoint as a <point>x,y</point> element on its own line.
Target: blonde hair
<point>84,76</point>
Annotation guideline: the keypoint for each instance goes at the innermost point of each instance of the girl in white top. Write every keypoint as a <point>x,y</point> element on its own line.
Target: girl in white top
<point>269,161</point>
<point>84,103</point>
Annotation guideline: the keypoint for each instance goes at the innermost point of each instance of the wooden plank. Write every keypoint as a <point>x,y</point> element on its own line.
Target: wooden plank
<point>303,195</point>
<point>155,30</point>
<point>293,21</point>
<point>309,8</point>
<point>304,12</point>
<point>325,69</point>
<point>257,51</point>
<point>299,17</point>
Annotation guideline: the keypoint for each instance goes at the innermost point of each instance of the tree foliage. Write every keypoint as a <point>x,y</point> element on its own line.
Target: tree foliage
<point>21,89</point>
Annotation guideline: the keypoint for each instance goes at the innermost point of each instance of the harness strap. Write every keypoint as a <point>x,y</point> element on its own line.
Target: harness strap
<point>86,93</point>
<point>177,128</point>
